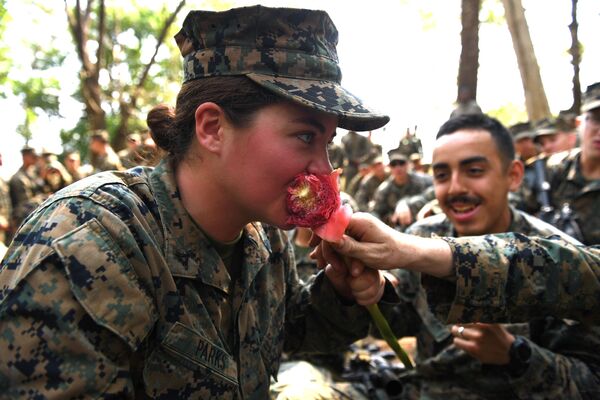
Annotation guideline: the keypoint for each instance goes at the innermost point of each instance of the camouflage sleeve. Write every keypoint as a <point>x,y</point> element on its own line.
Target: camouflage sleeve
<point>379,206</point>
<point>513,278</point>
<point>316,319</point>
<point>72,311</point>
<point>552,376</point>
<point>417,202</point>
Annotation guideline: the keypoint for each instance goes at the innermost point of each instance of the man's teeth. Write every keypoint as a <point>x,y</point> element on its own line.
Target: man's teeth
<point>463,209</point>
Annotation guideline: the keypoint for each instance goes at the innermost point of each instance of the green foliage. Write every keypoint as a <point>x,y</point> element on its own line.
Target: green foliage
<point>4,59</point>
<point>39,94</point>
<point>510,114</point>
<point>492,12</point>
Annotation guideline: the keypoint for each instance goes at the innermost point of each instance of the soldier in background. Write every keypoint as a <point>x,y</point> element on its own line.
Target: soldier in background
<point>336,155</point>
<point>72,162</point>
<point>103,157</point>
<point>574,176</point>
<point>401,183</point>
<point>409,144</point>
<point>129,156</point>
<point>369,184</point>
<point>24,185</point>
<point>357,149</point>
<point>551,139</point>
<point>527,151</point>
<point>5,210</point>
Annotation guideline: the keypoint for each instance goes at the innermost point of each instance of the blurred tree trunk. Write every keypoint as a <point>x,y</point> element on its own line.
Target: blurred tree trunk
<point>575,52</point>
<point>126,107</point>
<point>79,20</point>
<point>469,55</point>
<point>536,102</point>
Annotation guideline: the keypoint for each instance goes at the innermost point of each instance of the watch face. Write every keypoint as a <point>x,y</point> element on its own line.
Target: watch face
<point>522,351</point>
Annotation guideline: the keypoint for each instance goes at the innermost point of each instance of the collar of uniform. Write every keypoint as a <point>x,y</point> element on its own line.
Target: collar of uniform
<point>187,250</point>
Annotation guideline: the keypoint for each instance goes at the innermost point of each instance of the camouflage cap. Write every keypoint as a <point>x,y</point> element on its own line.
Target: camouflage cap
<point>546,126</point>
<point>591,97</point>
<point>291,52</point>
<point>566,121</point>
<point>521,130</point>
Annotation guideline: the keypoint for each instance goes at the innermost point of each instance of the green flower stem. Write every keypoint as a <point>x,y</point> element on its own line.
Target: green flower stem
<point>388,335</point>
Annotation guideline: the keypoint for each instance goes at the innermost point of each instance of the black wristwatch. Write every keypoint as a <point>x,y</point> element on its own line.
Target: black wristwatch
<point>520,356</point>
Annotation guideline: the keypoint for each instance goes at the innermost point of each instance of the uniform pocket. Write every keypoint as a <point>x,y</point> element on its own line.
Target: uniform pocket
<point>104,282</point>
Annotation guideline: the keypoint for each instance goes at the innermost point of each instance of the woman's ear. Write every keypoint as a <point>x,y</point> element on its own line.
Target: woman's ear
<point>209,126</point>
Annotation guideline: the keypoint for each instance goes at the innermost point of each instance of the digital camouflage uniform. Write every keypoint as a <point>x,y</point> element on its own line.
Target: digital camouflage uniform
<point>512,277</point>
<point>389,193</point>
<point>366,190</point>
<point>564,363</point>
<point>568,186</point>
<point>24,186</point>
<point>108,162</point>
<point>357,150</point>
<point>5,209</point>
<point>110,290</point>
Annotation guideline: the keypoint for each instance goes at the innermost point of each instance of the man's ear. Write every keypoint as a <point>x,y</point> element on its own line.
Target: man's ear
<point>209,126</point>
<point>516,171</point>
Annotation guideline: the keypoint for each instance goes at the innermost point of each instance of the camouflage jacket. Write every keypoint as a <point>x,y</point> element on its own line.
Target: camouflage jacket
<point>512,277</point>
<point>366,190</point>
<point>110,290</point>
<point>568,185</point>
<point>108,162</point>
<point>389,193</point>
<point>5,209</point>
<point>563,363</point>
<point>24,186</point>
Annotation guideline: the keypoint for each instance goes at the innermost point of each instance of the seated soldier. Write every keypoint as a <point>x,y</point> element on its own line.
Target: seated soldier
<point>401,183</point>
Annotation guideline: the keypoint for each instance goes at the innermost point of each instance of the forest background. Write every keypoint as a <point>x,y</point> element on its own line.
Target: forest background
<point>400,56</point>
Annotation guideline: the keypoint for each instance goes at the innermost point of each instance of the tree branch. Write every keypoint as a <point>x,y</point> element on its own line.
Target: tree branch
<point>159,43</point>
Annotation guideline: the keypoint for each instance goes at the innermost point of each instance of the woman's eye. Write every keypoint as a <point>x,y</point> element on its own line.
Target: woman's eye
<point>306,137</point>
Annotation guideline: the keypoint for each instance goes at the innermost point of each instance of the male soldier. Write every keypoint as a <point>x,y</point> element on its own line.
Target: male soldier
<point>357,149</point>
<point>401,183</point>
<point>551,139</point>
<point>103,157</point>
<point>74,167</point>
<point>129,156</point>
<point>336,155</point>
<point>527,151</point>
<point>474,169</point>
<point>5,209</point>
<point>574,176</point>
<point>369,184</point>
<point>409,144</point>
<point>24,185</point>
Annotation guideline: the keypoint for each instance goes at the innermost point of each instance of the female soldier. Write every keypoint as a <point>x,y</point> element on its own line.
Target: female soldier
<point>177,282</point>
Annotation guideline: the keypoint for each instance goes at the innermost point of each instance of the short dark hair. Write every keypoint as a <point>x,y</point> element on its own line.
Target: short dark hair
<point>500,134</point>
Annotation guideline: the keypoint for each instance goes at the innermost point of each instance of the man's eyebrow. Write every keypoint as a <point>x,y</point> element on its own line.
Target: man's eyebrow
<point>466,161</point>
<point>473,159</point>
<point>311,121</point>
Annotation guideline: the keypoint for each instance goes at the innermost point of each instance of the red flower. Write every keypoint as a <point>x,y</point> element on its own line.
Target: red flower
<point>313,201</point>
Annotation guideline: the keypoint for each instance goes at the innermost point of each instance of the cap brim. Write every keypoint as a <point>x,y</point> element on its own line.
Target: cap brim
<point>590,105</point>
<point>524,135</point>
<point>325,96</point>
